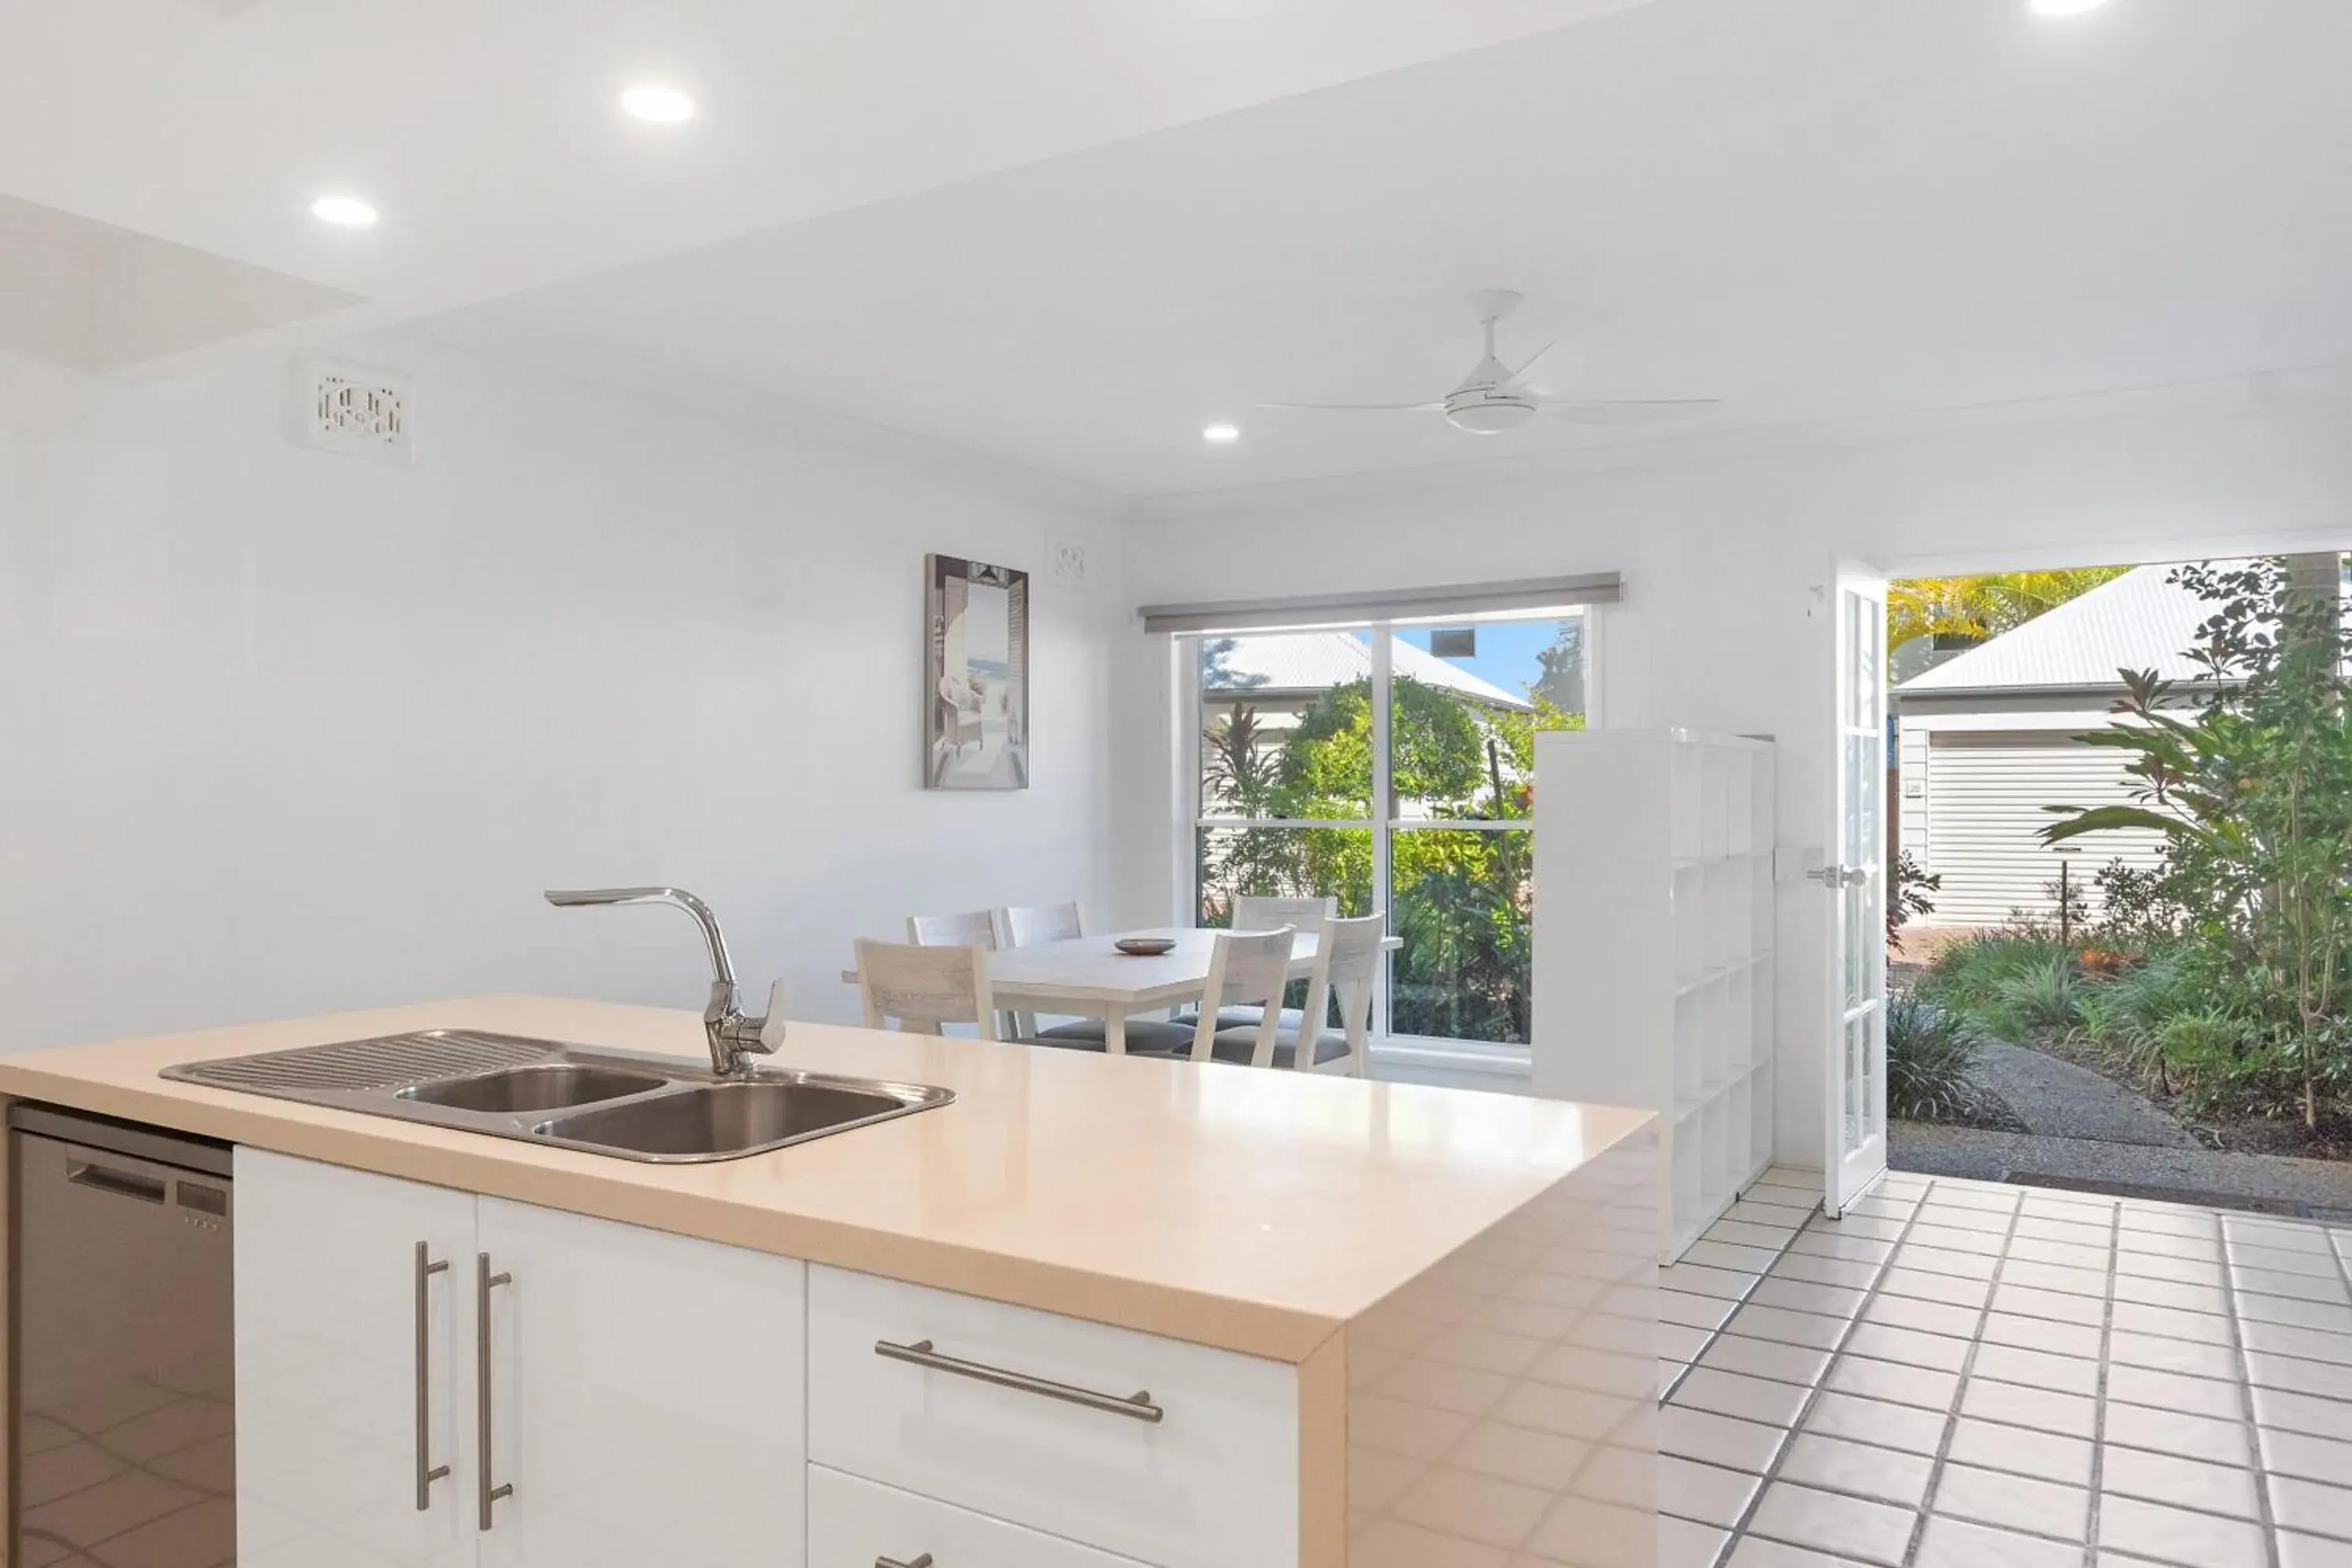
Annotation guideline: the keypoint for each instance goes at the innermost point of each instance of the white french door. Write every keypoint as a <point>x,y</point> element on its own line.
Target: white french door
<point>1855,878</point>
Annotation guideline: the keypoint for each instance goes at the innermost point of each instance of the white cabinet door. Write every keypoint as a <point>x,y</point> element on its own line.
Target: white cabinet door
<point>338,1421</point>
<point>646,1399</point>
<point>857,1523</point>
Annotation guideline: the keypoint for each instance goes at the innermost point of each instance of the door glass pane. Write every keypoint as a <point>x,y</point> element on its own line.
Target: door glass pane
<point>1283,862</point>
<point>1874,1069</point>
<point>1287,725</point>
<point>1463,907</point>
<point>1465,707</point>
<point>1855,939</point>
<point>1855,1122</point>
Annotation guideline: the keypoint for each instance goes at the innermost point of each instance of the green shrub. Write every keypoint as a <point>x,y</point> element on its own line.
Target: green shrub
<point>1968,975</point>
<point>2128,1014</point>
<point>2046,994</point>
<point>1931,1058</point>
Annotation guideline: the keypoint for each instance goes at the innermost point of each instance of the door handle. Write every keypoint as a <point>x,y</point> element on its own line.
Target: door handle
<point>427,1472</point>
<point>922,1562</point>
<point>484,1283</point>
<point>1836,876</point>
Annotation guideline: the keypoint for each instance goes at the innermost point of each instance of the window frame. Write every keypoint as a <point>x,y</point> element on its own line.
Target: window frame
<point>1404,1052</point>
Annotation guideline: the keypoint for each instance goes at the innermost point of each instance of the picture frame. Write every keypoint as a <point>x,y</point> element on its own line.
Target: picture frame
<point>975,675</point>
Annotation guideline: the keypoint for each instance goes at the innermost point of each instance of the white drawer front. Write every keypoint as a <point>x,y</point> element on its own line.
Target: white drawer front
<point>1213,1484</point>
<point>856,1524</point>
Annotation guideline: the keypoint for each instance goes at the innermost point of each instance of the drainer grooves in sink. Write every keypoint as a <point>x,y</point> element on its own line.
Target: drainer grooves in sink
<point>393,1061</point>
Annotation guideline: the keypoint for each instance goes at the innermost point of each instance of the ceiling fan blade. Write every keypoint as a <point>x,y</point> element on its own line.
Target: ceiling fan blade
<point>1519,376</point>
<point>1654,412</point>
<point>1359,407</point>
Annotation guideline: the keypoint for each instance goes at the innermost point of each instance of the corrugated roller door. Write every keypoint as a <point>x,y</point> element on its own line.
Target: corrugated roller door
<point>1984,799</point>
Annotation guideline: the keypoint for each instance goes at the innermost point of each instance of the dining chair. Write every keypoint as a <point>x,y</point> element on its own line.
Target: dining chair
<point>1346,962</point>
<point>1254,913</point>
<point>977,929</point>
<point>1250,967</point>
<point>1020,927</point>
<point>1061,922</point>
<point>922,987</point>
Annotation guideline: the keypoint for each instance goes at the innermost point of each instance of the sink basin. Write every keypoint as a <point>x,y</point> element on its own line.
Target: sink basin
<point>549,1086</point>
<point>623,1104</point>
<point>714,1120</point>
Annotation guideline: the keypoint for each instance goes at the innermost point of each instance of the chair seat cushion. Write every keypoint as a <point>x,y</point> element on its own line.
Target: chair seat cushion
<point>1240,1046</point>
<point>1145,1037</point>
<point>1242,1018</point>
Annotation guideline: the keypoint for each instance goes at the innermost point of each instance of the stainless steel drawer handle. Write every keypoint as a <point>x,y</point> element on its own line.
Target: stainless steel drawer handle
<point>484,1283</point>
<point>1137,1406</point>
<point>922,1562</point>
<point>427,1472</point>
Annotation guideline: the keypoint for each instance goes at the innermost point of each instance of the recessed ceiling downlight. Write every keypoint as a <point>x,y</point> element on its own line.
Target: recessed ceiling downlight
<point>2064,7</point>
<point>1221,434</point>
<point>345,212</point>
<point>658,104</point>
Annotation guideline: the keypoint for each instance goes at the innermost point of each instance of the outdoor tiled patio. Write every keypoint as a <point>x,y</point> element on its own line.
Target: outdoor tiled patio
<point>1968,1375</point>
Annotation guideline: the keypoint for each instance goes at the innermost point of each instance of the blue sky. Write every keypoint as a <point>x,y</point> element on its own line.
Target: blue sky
<point>1506,651</point>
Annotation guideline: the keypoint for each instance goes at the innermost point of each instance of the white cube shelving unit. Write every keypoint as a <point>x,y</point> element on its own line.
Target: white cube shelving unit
<point>1654,947</point>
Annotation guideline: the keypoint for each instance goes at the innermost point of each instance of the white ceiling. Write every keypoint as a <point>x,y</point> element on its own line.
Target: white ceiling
<point>487,131</point>
<point>1819,210</point>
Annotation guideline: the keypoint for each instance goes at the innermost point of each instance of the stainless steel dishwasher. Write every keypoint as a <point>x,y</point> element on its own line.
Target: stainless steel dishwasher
<point>125,1395</point>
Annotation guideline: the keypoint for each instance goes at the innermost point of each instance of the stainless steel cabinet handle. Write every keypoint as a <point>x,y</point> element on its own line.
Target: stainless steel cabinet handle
<point>427,1472</point>
<point>922,1562</point>
<point>484,1283</point>
<point>1137,1406</point>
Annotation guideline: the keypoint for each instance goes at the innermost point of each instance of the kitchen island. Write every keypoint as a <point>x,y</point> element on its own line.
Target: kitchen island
<point>1095,1312</point>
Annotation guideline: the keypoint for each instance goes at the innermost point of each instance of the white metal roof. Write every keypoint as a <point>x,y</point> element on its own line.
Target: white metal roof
<point>2139,621</point>
<point>1310,661</point>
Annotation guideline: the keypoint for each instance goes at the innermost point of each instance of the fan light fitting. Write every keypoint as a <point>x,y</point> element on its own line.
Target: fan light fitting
<point>1221,434</point>
<point>2064,7</point>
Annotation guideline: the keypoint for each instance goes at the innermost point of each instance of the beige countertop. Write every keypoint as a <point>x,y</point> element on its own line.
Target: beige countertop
<point>1253,1210</point>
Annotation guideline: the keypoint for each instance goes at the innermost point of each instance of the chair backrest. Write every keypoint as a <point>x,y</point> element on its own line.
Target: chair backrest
<point>1271,914</point>
<point>923,987</point>
<point>1047,923</point>
<point>1346,963</point>
<point>977,929</point>
<point>1245,969</point>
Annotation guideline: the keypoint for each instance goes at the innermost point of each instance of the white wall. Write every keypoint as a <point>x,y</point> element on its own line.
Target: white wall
<point>1726,545</point>
<point>286,730</point>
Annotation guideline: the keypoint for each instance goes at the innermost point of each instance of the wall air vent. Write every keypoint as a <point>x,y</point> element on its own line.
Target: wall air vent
<point>360,410</point>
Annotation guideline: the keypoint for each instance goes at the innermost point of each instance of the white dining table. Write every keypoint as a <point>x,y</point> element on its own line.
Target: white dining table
<point>1089,977</point>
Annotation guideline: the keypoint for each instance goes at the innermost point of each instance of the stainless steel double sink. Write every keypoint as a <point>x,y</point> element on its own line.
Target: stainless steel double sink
<point>622,1103</point>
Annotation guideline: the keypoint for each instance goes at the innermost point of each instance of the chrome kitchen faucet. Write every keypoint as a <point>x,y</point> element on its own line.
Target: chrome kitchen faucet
<point>734,1036</point>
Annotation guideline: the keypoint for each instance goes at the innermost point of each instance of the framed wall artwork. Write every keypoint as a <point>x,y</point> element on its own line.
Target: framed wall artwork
<point>975,675</point>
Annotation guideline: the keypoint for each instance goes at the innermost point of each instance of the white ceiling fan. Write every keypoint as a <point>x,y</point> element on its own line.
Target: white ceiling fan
<point>1492,398</point>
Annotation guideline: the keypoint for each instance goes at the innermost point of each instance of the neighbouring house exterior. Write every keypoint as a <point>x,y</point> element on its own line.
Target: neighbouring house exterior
<point>1987,740</point>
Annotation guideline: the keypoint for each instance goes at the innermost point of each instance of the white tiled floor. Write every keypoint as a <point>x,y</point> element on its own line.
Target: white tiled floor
<point>1961,1375</point>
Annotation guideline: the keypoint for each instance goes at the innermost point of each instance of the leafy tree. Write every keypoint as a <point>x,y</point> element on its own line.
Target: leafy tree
<point>2253,789</point>
<point>1561,683</point>
<point>1978,609</point>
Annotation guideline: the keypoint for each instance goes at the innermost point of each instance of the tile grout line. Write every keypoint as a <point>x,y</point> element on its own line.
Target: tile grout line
<point>1666,1393</point>
<point>2261,1466</point>
<point>1764,1482</point>
<point>2099,1396</point>
<point>1926,1510</point>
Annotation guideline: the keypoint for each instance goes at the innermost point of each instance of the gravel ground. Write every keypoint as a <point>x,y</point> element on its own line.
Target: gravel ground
<point>2320,1188</point>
